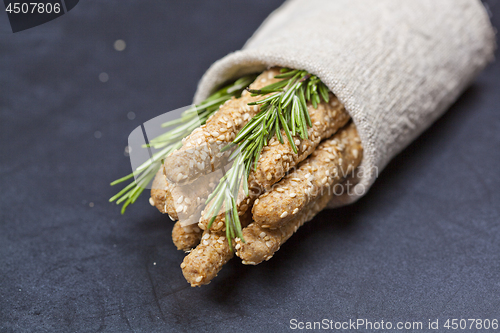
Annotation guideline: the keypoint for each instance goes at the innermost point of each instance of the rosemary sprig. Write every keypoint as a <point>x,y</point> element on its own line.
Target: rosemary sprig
<point>171,140</point>
<point>285,109</point>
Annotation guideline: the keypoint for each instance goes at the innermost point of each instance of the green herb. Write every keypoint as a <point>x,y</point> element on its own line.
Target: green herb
<point>285,109</point>
<point>171,140</point>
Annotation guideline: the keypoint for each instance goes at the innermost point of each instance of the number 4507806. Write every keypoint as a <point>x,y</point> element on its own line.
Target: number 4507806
<point>33,7</point>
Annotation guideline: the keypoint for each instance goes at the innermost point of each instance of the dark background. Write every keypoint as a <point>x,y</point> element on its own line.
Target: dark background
<point>424,243</point>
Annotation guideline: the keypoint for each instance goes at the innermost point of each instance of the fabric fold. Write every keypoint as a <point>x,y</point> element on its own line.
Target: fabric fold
<point>395,65</point>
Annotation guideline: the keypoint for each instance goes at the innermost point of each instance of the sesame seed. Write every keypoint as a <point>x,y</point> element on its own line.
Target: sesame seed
<point>295,211</point>
<point>285,214</point>
<point>237,247</point>
<point>269,176</point>
<point>180,199</point>
<point>205,242</point>
<point>151,202</point>
<point>256,201</point>
<point>293,195</point>
<point>355,153</point>
<point>206,236</point>
<point>269,244</point>
<point>183,265</point>
<point>262,234</point>
<point>199,278</point>
<point>179,208</point>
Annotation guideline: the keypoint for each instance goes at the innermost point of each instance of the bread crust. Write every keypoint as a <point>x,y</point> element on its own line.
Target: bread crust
<point>333,160</point>
<point>200,152</point>
<point>204,262</point>
<point>261,242</point>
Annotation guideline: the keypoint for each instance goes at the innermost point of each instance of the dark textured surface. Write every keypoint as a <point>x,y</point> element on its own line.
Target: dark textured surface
<point>423,244</point>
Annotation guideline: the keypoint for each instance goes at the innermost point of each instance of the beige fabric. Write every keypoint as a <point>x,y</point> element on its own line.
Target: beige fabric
<point>397,65</point>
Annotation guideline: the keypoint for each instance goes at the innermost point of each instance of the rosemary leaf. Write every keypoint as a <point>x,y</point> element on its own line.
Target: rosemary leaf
<point>171,140</point>
<point>284,109</point>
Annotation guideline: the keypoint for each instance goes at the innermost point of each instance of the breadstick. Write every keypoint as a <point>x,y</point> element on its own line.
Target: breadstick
<point>332,161</point>
<point>200,152</point>
<point>261,243</point>
<point>278,158</point>
<point>185,238</point>
<point>203,263</point>
<point>161,197</point>
<point>181,202</point>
